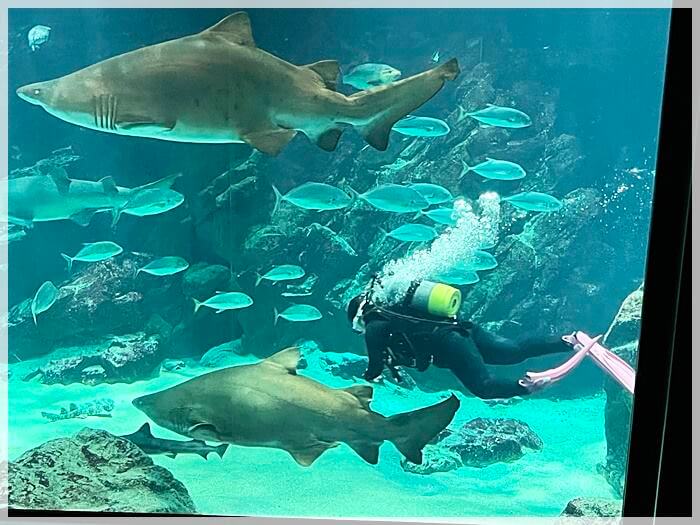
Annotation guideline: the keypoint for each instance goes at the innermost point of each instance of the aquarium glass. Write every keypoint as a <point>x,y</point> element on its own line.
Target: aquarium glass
<point>216,217</point>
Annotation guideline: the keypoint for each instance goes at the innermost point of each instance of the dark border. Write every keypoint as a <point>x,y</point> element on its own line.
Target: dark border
<point>663,278</point>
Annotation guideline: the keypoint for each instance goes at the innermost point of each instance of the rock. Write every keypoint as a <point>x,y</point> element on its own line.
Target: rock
<point>126,359</point>
<point>222,355</point>
<point>478,443</point>
<point>595,507</point>
<point>203,280</point>
<point>101,298</point>
<point>94,471</point>
<point>621,338</point>
<point>130,358</point>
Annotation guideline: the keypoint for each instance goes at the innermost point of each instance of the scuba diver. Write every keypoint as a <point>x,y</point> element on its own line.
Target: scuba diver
<point>423,329</point>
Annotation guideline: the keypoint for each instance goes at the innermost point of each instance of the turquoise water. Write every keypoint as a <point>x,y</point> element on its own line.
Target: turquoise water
<point>567,251</point>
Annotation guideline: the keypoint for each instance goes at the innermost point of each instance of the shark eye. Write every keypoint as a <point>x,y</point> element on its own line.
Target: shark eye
<point>37,91</point>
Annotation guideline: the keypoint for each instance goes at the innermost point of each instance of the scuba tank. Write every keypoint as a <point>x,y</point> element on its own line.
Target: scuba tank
<point>437,299</point>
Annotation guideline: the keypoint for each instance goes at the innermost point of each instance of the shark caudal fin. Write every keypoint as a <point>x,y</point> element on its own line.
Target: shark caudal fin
<point>415,429</point>
<point>378,109</point>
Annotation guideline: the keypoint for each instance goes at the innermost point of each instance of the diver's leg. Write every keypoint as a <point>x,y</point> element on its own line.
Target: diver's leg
<point>459,353</point>
<point>498,350</point>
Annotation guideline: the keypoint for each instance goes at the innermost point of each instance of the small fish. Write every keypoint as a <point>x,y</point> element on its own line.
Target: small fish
<point>436,57</point>
<point>38,36</point>
<point>144,439</point>
<point>495,169</point>
<point>296,294</point>
<point>284,272</point>
<point>94,252</point>
<point>534,201</point>
<point>479,261</point>
<point>411,233</point>
<point>223,301</point>
<point>457,277</point>
<point>314,196</point>
<point>499,116</point>
<point>169,265</point>
<point>413,126</point>
<point>395,198</point>
<point>299,313</point>
<point>371,75</point>
<point>433,193</point>
<point>442,216</point>
<point>43,300</point>
<point>153,202</point>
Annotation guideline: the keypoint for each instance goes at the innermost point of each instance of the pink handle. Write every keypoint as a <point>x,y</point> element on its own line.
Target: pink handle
<point>584,345</point>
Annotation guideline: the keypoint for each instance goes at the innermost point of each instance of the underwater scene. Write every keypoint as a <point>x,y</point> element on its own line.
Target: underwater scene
<point>327,262</point>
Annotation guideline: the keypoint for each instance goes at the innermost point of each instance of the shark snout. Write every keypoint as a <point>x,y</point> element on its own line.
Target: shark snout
<point>32,93</point>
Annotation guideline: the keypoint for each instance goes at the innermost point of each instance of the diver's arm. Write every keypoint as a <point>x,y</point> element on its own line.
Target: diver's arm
<point>377,334</point>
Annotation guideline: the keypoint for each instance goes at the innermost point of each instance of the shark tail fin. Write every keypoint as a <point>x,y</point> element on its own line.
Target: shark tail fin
<point>416,429</point>
<point>376,110</point>
<point>69,261</point>
<point>221,450</point>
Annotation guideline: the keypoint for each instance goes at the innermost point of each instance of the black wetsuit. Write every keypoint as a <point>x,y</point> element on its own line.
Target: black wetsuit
<point>462,347</point>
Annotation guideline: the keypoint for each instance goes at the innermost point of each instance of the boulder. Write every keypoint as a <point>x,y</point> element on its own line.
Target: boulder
<point>478,443</point>
<point>94,471</point>
<point>621,338</point>
<point>593,507</point>
<point>125,359</point>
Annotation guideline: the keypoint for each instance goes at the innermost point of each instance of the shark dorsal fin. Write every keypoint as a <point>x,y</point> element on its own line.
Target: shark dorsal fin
<point>363,393</point>
<point>328,70</point>
<point>145,430</point>
<point>287,359</point>
<point>109,186</point>
<point>235,28</point>
<point>60,179</point>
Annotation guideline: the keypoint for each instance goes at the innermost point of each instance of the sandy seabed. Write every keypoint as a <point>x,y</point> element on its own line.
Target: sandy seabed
<point>267,482</point>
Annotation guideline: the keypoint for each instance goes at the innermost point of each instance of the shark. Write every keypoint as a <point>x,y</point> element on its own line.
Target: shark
<point>217,86</point>
<point>52,197</point>
<point>148,443</point>
<point>268,404</point>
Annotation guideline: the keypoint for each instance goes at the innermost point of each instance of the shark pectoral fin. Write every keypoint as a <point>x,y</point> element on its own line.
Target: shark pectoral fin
<point>235,28</point>
<point>144,124</point>
<point>367,451</point>
<point>363,393</point>
<point>164,183</point>
<point>108,185</point>
<point>59,176</point>
<point>83,217</point>
<point>270,141</point>
<point>307,455</point>
<point>287,359</point>
<point>328,70</point>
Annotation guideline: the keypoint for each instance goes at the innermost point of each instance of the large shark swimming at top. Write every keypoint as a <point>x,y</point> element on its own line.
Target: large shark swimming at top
<point>217,86</point>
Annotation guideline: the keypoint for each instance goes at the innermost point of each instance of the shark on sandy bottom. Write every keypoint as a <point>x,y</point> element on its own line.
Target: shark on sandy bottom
<point>217,87</point>
<point>148,443</point>
<point>39,198</point>
<point>267,404</point>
